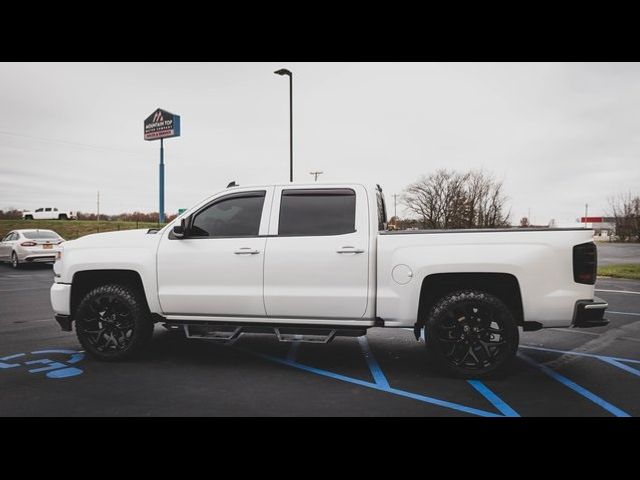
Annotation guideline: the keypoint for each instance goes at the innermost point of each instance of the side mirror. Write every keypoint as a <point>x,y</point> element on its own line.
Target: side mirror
<point>180,231</point>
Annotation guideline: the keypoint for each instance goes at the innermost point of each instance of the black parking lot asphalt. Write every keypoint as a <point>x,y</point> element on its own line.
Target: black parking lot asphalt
<point>559,372</point>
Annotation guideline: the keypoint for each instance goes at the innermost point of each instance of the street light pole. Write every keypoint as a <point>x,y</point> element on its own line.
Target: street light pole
<point>284,71</point>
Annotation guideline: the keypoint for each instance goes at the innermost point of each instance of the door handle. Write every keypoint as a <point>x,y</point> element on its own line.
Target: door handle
<point>246,251</point>
<point>348,249</point>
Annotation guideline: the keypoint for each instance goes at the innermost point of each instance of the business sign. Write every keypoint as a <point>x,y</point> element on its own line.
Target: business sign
<point>161,124</point>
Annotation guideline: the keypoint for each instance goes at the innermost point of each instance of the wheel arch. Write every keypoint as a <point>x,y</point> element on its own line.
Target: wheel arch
<point>86,280</point>
<point>504,286</point>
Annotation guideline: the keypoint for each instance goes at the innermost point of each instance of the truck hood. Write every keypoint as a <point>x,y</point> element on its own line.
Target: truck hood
<point>123,238</point>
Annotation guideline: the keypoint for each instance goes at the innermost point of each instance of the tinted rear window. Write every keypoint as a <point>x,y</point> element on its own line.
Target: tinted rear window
<point>317,212</point>
<point>40,235</point>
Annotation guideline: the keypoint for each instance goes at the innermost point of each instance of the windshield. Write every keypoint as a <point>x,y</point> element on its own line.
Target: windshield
<point>41,235</point>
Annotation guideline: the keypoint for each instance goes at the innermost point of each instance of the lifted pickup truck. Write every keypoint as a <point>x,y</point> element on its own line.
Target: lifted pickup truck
<point>310,262</point>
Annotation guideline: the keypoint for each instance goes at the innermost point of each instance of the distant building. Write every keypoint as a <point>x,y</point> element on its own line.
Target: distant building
<point>604,227</point>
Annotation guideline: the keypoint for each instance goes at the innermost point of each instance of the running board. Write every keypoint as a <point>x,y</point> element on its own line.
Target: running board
<point>227,333</point>
<point>302,338</point>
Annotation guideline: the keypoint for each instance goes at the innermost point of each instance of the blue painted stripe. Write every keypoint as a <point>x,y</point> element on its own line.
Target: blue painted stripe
<point>495,400</point>
<point>376,371</point>
<point>51,365</point>
<point>374,386</point>
<point>75,358</point>
<point>64,372</point>
<point>575,387</point>
<point>621,365</point>
<point>580,354</point>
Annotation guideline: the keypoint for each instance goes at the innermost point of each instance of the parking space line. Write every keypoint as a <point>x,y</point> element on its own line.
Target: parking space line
<point>570,330</point>
<point>575,387</point>
<point>618,291</point>
<point>496,401</point>
<point>621,365</point>
<point>624,313</point>
<point>374,386</point>
<point>580,354</point>
<point>375,369</point>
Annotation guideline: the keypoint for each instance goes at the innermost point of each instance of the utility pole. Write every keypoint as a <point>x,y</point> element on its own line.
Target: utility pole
<point>98,209</point>
<point>315,175</point>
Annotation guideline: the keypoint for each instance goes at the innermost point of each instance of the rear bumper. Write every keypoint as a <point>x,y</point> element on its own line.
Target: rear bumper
<point>45,258</point>
<point>590,313</point>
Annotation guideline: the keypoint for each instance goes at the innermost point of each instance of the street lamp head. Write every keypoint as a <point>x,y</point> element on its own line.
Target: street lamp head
<point>283,71</point>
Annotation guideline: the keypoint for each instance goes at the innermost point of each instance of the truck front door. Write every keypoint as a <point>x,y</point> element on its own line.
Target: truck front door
<point>217,269</point>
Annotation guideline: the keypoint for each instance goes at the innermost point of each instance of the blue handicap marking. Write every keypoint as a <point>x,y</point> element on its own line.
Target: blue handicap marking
<point>54,369</point>
<point>10,365</point>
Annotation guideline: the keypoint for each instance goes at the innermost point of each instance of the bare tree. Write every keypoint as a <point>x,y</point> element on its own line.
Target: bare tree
<point>524,222</point>
<point>450,199</point>
<point>625,209</point>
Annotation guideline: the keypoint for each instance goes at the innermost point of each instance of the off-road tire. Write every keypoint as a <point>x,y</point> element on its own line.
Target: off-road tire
<point>111,309</point>
<point>475,325</point>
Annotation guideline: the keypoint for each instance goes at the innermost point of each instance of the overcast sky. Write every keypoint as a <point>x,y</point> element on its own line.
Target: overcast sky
<point>559,135</point>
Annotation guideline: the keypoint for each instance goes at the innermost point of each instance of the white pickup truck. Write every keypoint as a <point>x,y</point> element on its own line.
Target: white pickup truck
<point>310,262</point>
<point>48,213</point>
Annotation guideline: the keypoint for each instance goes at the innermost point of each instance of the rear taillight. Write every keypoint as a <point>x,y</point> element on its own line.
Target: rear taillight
<point>28,244</point>
<point>585,263</point>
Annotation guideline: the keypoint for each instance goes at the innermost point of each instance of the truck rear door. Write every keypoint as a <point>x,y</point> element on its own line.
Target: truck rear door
<point>317,257</point>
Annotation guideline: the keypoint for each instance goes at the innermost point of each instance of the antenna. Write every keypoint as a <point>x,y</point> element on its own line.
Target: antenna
<point>232,184</point>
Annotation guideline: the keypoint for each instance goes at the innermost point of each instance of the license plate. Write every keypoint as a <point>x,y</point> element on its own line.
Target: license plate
<point>47,246</point>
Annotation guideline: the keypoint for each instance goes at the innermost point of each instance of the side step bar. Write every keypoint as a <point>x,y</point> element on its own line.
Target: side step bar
<point>226,333</point>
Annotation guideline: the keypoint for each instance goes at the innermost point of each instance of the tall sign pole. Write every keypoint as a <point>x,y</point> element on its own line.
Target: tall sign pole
<point>161,211</point>
<point>160,125</point>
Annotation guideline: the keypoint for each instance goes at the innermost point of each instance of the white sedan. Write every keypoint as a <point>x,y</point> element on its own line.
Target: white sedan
<point>29,246</point>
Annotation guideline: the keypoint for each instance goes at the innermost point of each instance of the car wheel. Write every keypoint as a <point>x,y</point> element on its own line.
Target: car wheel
<point>15,261</point>
<point>62,217</point>
<point>113,323</point>
<point>472,334</point>
<point>29,217</point>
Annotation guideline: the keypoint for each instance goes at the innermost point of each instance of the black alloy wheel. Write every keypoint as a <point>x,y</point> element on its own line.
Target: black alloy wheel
<point>472,334</point>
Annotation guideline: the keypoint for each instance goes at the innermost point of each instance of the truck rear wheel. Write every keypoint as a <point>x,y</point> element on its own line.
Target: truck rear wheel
<point>471,334</point>
<point>62,217</point>
<point>113,323</point>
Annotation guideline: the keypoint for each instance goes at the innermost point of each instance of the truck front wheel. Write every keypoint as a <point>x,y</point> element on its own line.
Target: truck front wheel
<point>113,323</point>
<point>471,334</point>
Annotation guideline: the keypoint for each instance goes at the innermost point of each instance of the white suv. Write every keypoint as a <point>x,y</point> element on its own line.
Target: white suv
<point>48,213</point>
